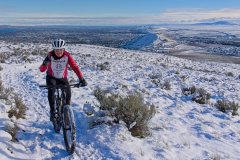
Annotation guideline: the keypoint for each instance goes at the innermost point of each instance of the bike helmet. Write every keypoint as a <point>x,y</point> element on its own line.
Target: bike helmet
<point>58,44</point>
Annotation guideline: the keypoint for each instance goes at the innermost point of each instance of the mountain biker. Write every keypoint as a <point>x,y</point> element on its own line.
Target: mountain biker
<point>56,64</point>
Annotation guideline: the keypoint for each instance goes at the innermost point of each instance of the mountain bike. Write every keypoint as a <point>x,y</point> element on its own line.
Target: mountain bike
<point>63,116</point>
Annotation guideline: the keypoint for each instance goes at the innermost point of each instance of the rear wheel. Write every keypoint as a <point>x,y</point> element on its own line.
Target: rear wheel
<point>69,129</point>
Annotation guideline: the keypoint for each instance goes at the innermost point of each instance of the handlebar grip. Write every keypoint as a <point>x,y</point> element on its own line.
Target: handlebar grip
<point>42,86</point>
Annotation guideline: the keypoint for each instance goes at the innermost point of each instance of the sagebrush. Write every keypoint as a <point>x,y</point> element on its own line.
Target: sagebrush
<point>166,85</point>
<point>198,95</point>
<point>18,109</point>
<point>1,87</point>
<point>103,66</point>
<point>224,106</point>
<point>201,96</point>
<point>4,93</point>
<point>12,130</point>
<point>189,90</point>
<point>130,109</point>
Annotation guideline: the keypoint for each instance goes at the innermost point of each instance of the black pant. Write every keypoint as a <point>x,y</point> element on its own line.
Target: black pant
<point>56,81</point>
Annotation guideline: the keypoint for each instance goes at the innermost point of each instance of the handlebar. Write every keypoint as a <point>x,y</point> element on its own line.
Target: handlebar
<point>60,86</point>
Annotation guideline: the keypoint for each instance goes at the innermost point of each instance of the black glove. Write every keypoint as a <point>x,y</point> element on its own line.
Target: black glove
<point>82,82</point>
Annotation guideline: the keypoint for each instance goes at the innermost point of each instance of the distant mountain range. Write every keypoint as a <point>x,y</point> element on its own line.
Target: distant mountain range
<point>216,23</point>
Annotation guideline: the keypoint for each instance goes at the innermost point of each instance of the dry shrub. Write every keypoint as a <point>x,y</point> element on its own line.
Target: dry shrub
<point>198,95</point>
<point>12,130</point>
<point>157,82</point>
<point>5,93</point>
<point>215,157</point>
<point>230,74</point>
<point>3,57</point>
<point>1,87</point>
<point>25,58</point>
<point>224,106</point>
<point>19,110</point>
<point>201,96</point>
<point>40,51</point>
<point>87,55</point>
<point>106,102</point>
<point>234,107</point>
<point>164,65</point>
<point>189,90</point>
<point>103,66</point>
<point>131,110</point>
<point>166,85</point>
<point>184,78</point>
<point>156,78</point>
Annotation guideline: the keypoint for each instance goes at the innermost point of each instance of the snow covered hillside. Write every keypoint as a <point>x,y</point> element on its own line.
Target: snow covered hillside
<point>181,128</point>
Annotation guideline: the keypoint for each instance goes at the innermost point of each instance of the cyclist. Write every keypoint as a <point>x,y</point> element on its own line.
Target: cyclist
<point>56,64</point>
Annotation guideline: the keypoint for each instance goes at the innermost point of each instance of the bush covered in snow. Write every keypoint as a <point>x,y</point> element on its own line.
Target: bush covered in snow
<point>166,85</point>
<point>188,90</point>
<point>4,93</point>
<point>131,110</point>
<point>12,129</point>
<point>19,109</point>
<point>3,57</point>
<point>1,87</point>
<point>201,96</point>
<point>198,95</point>
<point>224,106</point>
<point>230,74</point>
<point>103,66</point>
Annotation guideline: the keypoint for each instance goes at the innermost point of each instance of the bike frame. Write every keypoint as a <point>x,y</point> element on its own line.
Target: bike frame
<point>60,98</point>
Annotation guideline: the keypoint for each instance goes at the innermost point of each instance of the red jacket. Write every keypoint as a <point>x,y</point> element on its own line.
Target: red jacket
<point>57,67</point>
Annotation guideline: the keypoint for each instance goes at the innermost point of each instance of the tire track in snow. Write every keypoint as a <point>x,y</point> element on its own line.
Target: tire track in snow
<point>19,81</point>
<point>34,95</point>
<point>31,89</point>
<point>39,136</point>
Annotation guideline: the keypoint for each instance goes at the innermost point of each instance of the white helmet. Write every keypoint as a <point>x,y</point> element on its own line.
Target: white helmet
<point>58,44</point>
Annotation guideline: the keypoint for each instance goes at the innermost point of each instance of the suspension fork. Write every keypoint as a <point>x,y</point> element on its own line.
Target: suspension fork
<point>58,100</point>
<point>63,98</point>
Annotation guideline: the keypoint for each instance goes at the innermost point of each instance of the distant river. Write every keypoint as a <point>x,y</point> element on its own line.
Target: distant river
<point>140,42</point>
<point>6,30</point>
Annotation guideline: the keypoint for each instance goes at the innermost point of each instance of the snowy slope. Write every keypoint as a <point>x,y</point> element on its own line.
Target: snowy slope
<point>181,128</point>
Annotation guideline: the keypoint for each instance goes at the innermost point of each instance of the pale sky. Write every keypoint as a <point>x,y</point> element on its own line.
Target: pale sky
<point>113,12</point>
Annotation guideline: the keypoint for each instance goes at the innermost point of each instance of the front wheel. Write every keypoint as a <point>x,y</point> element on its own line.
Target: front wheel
<point>69,129</point>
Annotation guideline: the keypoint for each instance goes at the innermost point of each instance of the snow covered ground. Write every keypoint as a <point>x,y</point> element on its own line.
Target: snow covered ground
<point>181,128</point>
